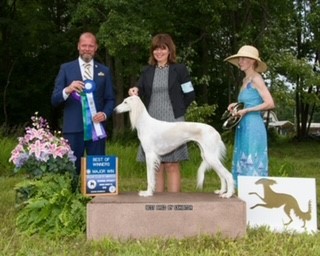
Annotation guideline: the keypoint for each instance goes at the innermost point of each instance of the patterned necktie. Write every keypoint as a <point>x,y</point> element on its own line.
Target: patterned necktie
<point>87,72</point>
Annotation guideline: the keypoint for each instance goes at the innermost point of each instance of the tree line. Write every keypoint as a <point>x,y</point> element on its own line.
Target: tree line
<point>37,36</point>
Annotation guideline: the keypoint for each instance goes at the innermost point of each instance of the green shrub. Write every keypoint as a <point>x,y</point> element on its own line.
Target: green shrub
<point>50,207</point>
<point>200,114</point>
<point>6,145</point>
<point>49,201</point>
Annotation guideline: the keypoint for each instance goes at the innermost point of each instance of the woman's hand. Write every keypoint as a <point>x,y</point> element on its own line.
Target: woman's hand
<point>235,111</point>
<point>133,91</point>
<point>241,112</point>
<point>231,106</point>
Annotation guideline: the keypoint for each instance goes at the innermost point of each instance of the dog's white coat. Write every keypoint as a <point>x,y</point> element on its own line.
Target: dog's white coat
<point>158,138</point>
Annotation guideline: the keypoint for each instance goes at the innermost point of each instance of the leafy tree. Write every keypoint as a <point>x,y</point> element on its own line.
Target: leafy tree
<point>37,36</point>
<point>33,47</point>
<point>296,63</point>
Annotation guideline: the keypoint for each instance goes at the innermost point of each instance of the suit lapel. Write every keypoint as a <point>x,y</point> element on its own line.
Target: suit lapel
<point>172,75</point>
<point>150,76</point>
<point>76,69</point>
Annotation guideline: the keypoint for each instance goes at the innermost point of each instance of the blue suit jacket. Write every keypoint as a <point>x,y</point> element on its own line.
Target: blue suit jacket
<point>103,95</point>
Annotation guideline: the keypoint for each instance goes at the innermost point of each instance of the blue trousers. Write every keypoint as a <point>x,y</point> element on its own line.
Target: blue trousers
<point>80,147</point>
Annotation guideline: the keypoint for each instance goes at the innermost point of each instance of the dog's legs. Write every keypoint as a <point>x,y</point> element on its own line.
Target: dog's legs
<point>223,184</point>
<point>225,190</point>
<point>255,193</point>
<point>227,183</point>
<point>212,161</point>
<point>259,205</point>
<point>153,162</point>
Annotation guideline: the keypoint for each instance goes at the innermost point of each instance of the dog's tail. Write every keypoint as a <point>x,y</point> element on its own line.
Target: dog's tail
<point>201,173</point>
<point>303,215</point>
<point>222,150</point>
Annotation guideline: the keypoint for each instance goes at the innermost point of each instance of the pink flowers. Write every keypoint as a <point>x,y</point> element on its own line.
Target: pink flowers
<point>42,151</point>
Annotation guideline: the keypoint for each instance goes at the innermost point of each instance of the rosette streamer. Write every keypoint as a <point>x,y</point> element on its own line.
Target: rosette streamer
<point>92,131</point>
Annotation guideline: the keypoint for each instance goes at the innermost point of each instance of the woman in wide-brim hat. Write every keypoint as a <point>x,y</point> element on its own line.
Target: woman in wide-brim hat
<point>251,52</point>
<point>250,156</point>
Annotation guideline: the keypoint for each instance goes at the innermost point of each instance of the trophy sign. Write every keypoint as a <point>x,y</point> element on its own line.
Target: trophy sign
<point>99,175</point>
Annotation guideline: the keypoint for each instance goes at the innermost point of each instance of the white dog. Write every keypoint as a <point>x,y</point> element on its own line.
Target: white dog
<point>159,138</point>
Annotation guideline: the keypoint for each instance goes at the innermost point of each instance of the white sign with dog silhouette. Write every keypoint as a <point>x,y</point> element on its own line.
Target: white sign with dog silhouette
<point>282,204</point>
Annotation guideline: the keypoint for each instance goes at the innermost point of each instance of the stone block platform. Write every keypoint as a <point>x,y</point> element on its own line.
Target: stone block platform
<point>166,215</point>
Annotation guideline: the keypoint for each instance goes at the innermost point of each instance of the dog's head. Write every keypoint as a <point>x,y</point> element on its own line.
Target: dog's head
<point>134,106</point>
<point>265,181</point>
<point>127,104</point>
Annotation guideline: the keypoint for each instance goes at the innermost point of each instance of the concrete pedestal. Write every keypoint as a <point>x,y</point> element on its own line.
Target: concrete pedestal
<point>166,215</point>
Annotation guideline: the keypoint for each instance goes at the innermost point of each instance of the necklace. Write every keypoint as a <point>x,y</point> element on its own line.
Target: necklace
<point>161,67</point>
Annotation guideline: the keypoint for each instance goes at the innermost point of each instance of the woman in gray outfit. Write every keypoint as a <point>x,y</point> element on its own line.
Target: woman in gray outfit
<point>167,91</point>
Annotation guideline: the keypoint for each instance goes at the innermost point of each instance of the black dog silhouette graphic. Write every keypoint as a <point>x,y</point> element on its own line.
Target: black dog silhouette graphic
<point>273,199</point>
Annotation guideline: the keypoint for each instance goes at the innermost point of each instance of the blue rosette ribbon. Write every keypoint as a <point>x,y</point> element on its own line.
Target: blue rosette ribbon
<point>92,130</point>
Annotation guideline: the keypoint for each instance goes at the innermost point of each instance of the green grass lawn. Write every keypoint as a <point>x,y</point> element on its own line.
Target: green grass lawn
<point>286,159</point>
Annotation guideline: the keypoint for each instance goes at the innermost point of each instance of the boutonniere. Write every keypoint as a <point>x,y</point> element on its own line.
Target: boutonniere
<point>100,74</point>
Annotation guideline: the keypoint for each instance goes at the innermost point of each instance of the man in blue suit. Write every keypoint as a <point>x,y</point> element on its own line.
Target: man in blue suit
<point>93,101</point>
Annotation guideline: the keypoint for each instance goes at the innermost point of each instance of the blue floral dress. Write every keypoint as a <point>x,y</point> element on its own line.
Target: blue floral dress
<point>250,156</point>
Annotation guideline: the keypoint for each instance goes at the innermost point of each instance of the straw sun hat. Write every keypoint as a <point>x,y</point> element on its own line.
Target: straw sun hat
<point>248,51</point>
